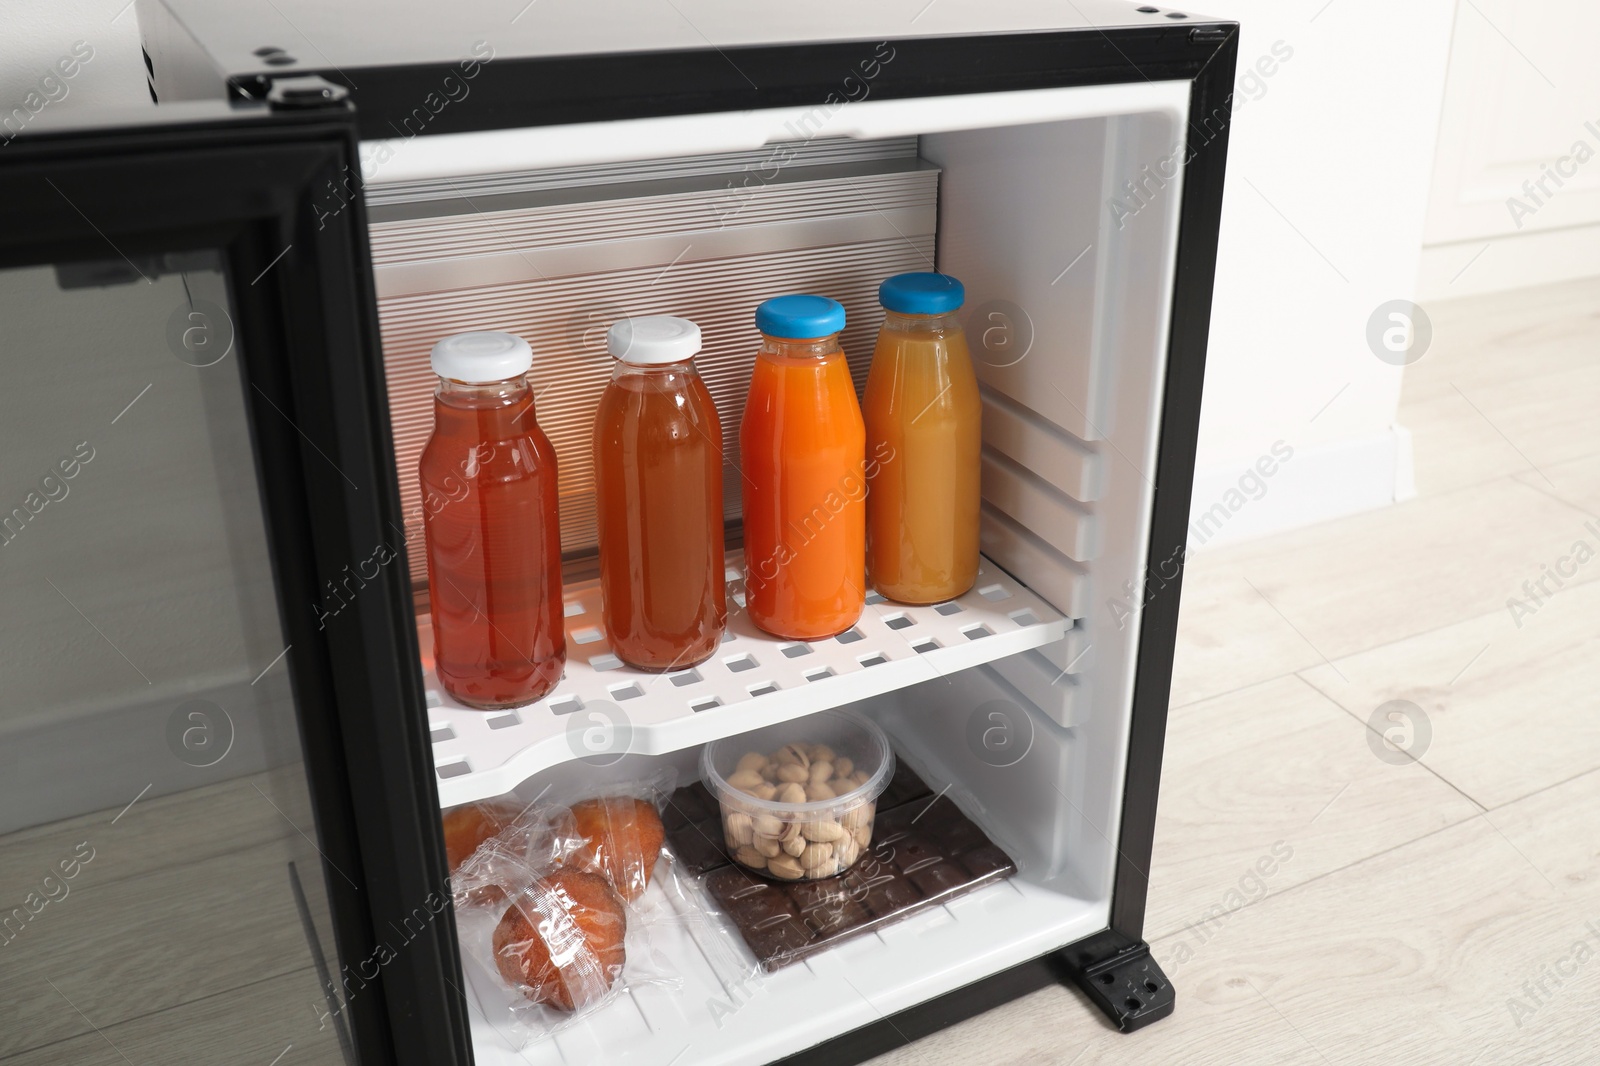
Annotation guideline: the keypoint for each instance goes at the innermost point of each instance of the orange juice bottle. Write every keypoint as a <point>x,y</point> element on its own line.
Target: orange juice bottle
<point>802,446</point>
<point>658,488</point>
<point>923,429</point>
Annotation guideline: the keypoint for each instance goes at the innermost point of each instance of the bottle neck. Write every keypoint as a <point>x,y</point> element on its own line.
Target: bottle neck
<point>901,322</point>
<point>483,395</point>
<point>788,348</point>
<point>653,373</point>
<point>489,410</point>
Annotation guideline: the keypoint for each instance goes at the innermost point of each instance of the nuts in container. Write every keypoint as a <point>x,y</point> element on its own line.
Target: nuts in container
<point>798,798</point>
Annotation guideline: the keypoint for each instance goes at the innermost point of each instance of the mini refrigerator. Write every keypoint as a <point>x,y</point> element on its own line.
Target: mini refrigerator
<point>226,754</point>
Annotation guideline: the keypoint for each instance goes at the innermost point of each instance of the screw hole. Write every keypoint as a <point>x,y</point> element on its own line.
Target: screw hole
<point>1107,979</point>
<point>1151,986</point>
<point>1132,1004</point>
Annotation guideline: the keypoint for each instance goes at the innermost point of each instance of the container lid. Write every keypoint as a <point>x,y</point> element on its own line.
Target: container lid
<point>800,318</point>
<point>922,294</point>
<point>842,730</point>
<point>481,358</point>
<point>658,339</point>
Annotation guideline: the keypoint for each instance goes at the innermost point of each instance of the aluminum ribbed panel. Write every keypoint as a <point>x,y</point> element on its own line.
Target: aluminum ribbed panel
<point>564,319</point>
<point>715,218</point>
<point>819,229</point>
<point>821,151</point>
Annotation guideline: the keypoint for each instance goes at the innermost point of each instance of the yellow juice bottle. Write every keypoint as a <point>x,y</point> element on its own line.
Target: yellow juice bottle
<point>923,435</point>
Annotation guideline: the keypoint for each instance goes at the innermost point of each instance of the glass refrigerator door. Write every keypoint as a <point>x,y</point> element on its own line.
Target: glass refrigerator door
<point>218,833</point>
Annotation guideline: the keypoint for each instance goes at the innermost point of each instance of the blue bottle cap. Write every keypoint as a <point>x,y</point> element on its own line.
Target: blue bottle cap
<point>922,294</point>
<point>800,318</point>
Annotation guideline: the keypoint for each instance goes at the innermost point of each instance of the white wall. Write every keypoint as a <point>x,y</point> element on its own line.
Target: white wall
<point>35,35</point>
<point>1327,191</point>
<point>1522,107</point>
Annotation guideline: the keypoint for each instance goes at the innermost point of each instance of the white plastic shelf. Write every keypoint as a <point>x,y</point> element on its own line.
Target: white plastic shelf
<point>603,708</point>
<point>712,1020</point>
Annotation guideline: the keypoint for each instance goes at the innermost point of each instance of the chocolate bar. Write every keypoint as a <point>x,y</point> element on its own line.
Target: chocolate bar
<point>924,853</point>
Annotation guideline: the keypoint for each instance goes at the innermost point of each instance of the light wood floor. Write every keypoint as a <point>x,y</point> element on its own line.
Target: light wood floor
<point>177,941</point>
<point>1442,910</point>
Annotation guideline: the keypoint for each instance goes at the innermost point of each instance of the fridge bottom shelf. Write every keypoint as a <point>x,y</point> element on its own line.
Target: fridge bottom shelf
<point>761,1018</point>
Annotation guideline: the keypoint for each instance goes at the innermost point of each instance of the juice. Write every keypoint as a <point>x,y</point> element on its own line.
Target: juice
<point>802,445</point>
<point>658,478</point>
<point>493,537</point>
<point>923,419</point>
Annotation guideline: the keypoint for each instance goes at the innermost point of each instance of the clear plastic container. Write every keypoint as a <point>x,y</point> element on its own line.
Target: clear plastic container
<point>822,829</point>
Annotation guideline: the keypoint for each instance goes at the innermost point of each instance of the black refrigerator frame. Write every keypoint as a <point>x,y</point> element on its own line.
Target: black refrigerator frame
<point>256,174</point>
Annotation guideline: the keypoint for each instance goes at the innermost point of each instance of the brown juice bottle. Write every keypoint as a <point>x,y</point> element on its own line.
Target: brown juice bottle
<point>658,489</point>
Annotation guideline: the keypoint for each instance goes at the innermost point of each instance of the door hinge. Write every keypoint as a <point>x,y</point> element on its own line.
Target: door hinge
<point>292,92</point>
<point>1129,987</point>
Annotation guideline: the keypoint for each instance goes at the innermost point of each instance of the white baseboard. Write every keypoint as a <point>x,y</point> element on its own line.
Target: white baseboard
<point>1512,261</point>
<point>1238,501</point>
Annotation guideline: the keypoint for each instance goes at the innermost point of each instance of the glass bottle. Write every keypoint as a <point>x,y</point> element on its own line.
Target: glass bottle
<point>924,434</point>
<point>801,448</point>
<point>658,490</point>
<point>492,528</point>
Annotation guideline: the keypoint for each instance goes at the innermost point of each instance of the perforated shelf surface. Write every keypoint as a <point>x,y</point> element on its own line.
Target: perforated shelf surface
<point>604,708</point>
<point>717,1020</point>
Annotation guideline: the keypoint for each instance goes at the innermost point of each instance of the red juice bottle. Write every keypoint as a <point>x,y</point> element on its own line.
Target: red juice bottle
<point>492,529</point>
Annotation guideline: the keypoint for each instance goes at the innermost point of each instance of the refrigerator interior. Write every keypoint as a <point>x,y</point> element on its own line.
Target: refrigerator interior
<point>552,233</point>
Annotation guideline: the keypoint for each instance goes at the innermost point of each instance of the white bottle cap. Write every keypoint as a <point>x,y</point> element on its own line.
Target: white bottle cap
<point>649,341</point>
<point>480,358</point>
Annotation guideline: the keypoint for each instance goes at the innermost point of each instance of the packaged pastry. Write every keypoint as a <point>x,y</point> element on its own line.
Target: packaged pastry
<point>549,909</point>
<point>469,825</point>
<point>560,941</point>
<point>621,838</point>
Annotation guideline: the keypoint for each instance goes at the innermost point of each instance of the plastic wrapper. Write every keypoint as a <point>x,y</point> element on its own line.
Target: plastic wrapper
<point>533,839</point>
<point>561,939</point>
<point>620,837</point>
<point>466,827</point>
<point>552,911</point>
